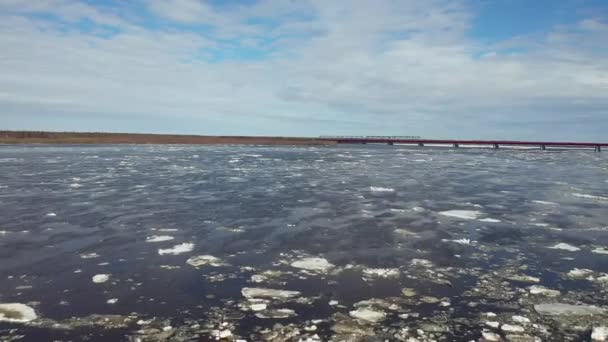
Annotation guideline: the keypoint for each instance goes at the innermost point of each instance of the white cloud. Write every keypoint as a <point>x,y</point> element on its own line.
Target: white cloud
<point>394,67</point>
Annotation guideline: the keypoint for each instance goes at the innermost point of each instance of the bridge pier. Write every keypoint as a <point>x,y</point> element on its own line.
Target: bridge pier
<point>496,146</point>
<point>456,145</point>
<point>598,148</point>
<point>390,143</point>
<point>421,144</point>
<point>543,147</point>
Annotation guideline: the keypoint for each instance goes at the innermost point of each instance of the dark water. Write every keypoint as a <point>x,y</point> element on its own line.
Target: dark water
<point>69,213</point>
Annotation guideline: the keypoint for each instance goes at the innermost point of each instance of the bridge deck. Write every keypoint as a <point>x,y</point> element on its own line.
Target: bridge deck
<point>456,143</point>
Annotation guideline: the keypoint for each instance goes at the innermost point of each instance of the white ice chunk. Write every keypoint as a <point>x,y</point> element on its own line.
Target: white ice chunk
<point>254,292</point>
<point>100,278</point>
<point>202,260</point>
<point>159,238</point>
<point>16,313</point>
<point>380,189</point>
<point>177,249</point>
<point>566,247</point>
<point>462,214</point>
<point>320,265</point>
<point>368,315</point>
<point>597,198</point>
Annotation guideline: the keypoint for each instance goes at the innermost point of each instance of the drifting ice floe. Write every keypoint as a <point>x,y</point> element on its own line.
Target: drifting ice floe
<point>380,189</point>
<point>541,290</point>
<point>597,198</point>
<point>462,214</point>
<point>320,265</point>
<point>177,249</point>
<point>159,238</point>
<point>556,309</point>
<point>368,315</point>
<point>16,313</point>
<point>112,301</point>
<point>202,260</point>
<point>490,220</point>
<point>600,250</point>
<point>599,334</point>
<point>276,313</point>
<point>51,214</point>
<point>462,241</point>
<point>100,278</point>
<point>544,202</point>
<point>89,256</point>
<point>565,247</point>
<point>381,273</point>
<point>252,292</point>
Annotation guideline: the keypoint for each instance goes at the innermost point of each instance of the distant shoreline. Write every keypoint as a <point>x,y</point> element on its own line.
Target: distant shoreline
<point>73,138</point>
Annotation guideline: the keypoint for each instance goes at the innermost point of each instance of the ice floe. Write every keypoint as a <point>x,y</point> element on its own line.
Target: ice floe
<point>202,260</point>
<point>556,309</point>
<point>489,220</point>
<point>597,198</point>
<point>368,315</point>
<point>177,249</point>
<point>463,241</point>
<point>51,214</point>
<point>544,202</point>
<point>256,292</point>
<point>599,334</point>
<point>524,278</point>
<point>600,250</point>
<point>16,313</point>
<point>100,278</point>
<point>579,273</point>
<point>319,265</point>
<point>462,214</point>
<point>89,256</point>
<point>566,247</point>
<point>380,189</point>
<point>541,290</point>
<point>276,313</point>
<point>159,238</point>
<point>112,301</point>
<point>371,273</point>
<point>508,328</point>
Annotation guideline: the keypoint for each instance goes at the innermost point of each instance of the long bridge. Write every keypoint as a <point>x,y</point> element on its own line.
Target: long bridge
<point>414,140</point>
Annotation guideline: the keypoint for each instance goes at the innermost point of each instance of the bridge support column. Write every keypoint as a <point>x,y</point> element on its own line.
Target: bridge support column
<point>456,145</point>
<point>543,147</point>
<point>598,148</point>
<point>421,144</point>
<point>496,146</point>
<point>390,143</point>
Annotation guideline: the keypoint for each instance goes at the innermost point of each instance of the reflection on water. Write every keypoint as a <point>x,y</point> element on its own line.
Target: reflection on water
<point>156,243</point>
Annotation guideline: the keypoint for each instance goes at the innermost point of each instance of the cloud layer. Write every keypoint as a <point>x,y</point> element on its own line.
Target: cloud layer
<point>298,68</point>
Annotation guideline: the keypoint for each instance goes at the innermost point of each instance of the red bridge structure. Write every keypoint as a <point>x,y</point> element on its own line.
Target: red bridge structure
<point>413,140</point>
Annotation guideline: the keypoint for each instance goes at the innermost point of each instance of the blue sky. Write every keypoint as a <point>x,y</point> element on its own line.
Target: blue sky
<point>512,69</point>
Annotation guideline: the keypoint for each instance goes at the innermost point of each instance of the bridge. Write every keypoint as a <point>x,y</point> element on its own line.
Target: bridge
<point>414,140</point>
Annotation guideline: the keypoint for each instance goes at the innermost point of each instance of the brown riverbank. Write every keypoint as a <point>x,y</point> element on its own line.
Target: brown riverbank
<point>30,137</point>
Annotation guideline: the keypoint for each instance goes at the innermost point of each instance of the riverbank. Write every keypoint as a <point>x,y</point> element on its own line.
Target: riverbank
<point>29,137</point>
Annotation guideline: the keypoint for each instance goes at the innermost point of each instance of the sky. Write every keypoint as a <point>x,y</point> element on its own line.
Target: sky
<point>484,69</point>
